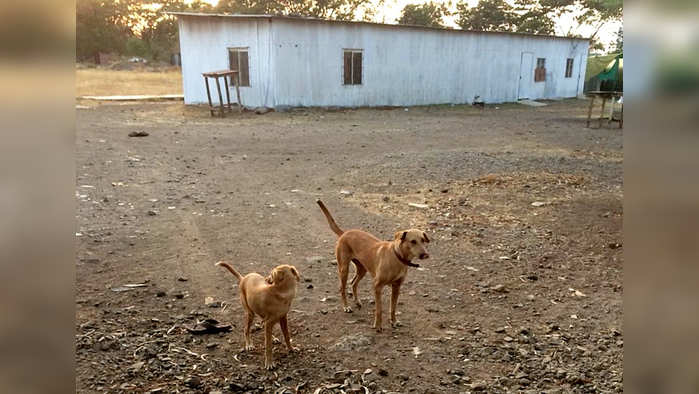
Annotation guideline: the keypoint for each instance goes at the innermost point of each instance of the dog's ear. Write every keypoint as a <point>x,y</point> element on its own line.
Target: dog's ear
<point>401,235</point>
<point>296,273</point>
<point>424,237</point>
<point>273,277</point>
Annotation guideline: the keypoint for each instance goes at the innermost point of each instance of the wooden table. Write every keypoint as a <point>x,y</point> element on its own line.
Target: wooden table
<point>226,74</point>
<point>605,95</point>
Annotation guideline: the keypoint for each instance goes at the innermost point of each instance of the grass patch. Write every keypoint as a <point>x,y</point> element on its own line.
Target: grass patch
<point>101,82</point>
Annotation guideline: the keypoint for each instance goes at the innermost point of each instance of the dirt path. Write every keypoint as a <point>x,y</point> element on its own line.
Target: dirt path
<point>523,290</point>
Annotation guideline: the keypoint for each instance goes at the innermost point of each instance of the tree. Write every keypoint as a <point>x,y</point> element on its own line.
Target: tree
<point>488,15</point>
<point>324,9</point>
<point>619,44</point>
<point>98,28</point>
<point>427,14</point>
<point>534,16</point>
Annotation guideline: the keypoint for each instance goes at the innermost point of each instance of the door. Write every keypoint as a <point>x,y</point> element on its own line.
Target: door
<point>526,75</point>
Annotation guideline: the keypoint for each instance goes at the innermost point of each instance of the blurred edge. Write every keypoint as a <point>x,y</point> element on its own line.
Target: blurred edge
<point>661,212</point>
<point>37,353</point>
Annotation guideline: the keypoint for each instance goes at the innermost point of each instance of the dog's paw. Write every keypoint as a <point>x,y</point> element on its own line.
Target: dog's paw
<point>348,309</point>
<point>358,305</point>
<point>378,329</point>
<point>249,347</point>
<point>293,349</point>
<point>270,366</point>
<point>275,340</point>
<point>396,324</point>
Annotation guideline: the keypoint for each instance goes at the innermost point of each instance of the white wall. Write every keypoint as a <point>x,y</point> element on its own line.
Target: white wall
<point>204,43</point>
<point>303,66</point>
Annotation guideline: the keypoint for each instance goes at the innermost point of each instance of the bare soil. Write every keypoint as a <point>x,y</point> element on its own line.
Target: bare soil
<point>522,293</point>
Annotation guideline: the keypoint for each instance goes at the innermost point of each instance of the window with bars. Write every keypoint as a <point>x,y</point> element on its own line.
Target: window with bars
<point>238,61</point>
<point>540,70</point>
<point>569,67</point>
<point>352,67</point>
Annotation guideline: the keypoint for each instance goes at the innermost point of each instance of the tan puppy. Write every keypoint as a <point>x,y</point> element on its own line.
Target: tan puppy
<point>270,298</point>
<point>386,261</point>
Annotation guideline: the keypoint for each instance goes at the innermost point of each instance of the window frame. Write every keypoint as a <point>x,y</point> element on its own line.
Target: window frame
<point>570,63</point>
<point>352,77</point>
<point>238,51</point>
<point>540,70</point>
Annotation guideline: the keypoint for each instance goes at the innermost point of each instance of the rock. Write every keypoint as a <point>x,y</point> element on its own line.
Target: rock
<point>346,192</point>
<point>182,279</point>
<point>152,212</point>
<point>383,372</point>
<point>479,386</point>
<point>262,110</point>
<point>499,289</point>
<point>538,203</point>
<point>211,345</point>
<point>418,205</point>
<point>138,134</point>
<point>179,296</point>
<point>92,261</point>
<point>500,329</point>
<point>508,339</point>
<point>310,286</point>
<point>192,382</point>
<point>614,245</point>
<point>209,301</point>
<point>352,342</point>
<point>160,293</point>
<point>386,199</point>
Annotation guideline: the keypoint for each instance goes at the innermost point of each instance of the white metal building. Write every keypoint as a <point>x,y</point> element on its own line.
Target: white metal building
<point>293,61</point>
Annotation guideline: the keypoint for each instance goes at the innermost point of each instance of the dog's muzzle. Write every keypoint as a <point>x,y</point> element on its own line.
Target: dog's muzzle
<point>424,256</point>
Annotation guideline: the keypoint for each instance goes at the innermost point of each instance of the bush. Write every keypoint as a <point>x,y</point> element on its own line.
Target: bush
<point>137,47</point>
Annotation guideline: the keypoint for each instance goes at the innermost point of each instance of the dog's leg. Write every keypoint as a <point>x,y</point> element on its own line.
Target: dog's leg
<point>249,317</point>
<point>378,288</point>
<point>361,271</point>
<point>395,291</point>
<point>284,324</point>
<point>343,261</point>
<point>269,363</point>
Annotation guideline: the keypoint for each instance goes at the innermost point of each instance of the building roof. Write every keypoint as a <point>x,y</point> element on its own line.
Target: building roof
<point>393,26</point>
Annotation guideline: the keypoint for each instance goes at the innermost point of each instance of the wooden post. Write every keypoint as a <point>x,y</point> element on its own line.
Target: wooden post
<point>236,79</point>
<point>220,98</point>
<point>601,113</point>
<point>228,91</point>
<point>208,94</point>
<point>589,110</point>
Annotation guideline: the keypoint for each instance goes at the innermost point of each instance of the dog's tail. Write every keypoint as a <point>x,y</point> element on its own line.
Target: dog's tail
<point>230,268</point>
<point>331,221</point>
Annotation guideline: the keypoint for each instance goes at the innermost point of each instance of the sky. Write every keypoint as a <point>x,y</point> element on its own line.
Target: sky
<point>390,11</point>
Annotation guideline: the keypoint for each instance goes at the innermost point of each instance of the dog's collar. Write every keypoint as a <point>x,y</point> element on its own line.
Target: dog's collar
<point>402,260</point>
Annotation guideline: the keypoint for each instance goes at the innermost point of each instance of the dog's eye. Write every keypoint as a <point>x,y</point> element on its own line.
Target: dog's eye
<point>413,242</point>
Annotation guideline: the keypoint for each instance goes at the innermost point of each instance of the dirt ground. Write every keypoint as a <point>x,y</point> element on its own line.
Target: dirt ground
<point>522,293</point>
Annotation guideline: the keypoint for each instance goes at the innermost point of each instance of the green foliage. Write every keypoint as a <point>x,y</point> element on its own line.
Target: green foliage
<point>325,9</point>
<point>427,14</point>
<point>137,47</point>
<point>532,16</point>
<point>97,28</point>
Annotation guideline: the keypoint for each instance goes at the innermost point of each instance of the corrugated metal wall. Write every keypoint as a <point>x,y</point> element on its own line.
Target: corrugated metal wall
<point>303,66</point>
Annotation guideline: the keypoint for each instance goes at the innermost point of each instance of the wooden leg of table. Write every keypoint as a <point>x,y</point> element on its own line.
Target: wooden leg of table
<point>621,116</point>
<point>237,93</point>
<point>601,113</point>
<point>208,94</point>
<point>611,111</point>
<point>589,110</point>
<point>228,92</point>
<point>220,98</point>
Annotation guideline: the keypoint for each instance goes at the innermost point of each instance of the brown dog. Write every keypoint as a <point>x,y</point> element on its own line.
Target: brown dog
<point>270,298</point>
<point>387,261</point>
